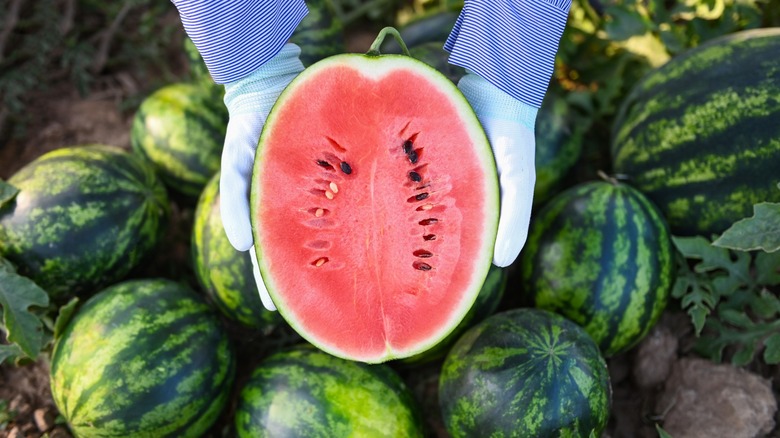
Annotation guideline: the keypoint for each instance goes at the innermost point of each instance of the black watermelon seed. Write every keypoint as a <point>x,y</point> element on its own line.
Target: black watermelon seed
<point>423,254</point>
<point>324,164</point>
<point>346,168</point>
<point>421,196</point>
<point>414,176</point>
<point>429,221</point>
<point>413,157</point>
<point>421,266</point>
<point>429,237</point>
<point>408,147</point>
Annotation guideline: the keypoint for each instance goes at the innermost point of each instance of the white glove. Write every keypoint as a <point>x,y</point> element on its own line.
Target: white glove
<point>509,125</point>
<point>249,100</point>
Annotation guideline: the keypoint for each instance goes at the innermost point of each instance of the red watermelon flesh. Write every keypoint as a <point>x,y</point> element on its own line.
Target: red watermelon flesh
<point>375,206</point>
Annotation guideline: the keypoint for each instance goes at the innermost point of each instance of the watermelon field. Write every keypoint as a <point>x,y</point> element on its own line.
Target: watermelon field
<point>645,302</point>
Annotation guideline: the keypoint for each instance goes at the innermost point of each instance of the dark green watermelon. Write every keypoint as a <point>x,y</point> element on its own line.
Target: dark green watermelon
<point>304,392</point>
<point>433,54</point>
<point>320,34</point>
<point>223,272</point>
<point>600,254</point>
<point>485,305</point>
<point>143,358</point>
<point>180,129</point>
<point>525,373</point>
<point>83,218</point>
<point>559,144</point>
<point>700,136</point>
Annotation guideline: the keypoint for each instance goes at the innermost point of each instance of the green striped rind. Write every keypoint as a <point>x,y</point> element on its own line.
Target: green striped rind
<point>600,254</point>
<point>320,34</point>
<point>180,129</point>
<point>304,392</point>
<point>525,373</point>
<point>485,305</point>
<point>223,272</point>
<point>700,135</point>
<point>84,217</point>
<point>433,54</point>
<point>558,146</point>
<point>144,358</point>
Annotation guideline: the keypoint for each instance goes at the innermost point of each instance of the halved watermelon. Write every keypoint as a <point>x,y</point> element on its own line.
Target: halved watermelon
<point>374,205</point>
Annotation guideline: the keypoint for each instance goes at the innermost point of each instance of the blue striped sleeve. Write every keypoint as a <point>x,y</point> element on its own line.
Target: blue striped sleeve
<point>510,43</point>
<point>235,37</point>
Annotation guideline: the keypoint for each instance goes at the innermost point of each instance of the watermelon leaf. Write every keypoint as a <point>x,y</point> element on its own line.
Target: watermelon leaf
<point>10,352</point>
<point>22,327</point>
<point>65,315</point>
<point>768,268</point>
<point>760,231</point>
<point>7,192</point>
<point>625,22</point>
<point>662,433</point>
<point>772,349</point>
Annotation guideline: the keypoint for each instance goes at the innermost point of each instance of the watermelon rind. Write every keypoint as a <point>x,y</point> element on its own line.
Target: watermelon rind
<point>525,373</point>
<point>83,218</point>
<point>600,254</point>
<point>308,393</point>
<point>700,135</point>
<point>224,272</point>
<point>180,129</point>
<point>376,67</point>
<point>143,358</point>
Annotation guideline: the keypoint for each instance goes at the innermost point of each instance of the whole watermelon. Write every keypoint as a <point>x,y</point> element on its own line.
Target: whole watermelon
<point>700,136</point>
<point>307,393</point>
<point>600,254</point>
<point>525,373</point>
<point>223,272</point>
<point>320,34</point>
<point>180,129</point>
<point>143,358</point>
<point>83,218</point>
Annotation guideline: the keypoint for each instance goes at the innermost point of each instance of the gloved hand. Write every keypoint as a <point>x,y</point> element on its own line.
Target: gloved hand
<point>509,125</point>
<point>249,100</point>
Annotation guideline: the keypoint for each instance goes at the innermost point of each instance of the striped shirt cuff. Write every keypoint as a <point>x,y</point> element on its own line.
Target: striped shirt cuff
<point>235,37</point>
<point>510,43</point>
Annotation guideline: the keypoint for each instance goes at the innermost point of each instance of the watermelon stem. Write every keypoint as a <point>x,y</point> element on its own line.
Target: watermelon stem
<point>612,180</point>
<point>374,49</point>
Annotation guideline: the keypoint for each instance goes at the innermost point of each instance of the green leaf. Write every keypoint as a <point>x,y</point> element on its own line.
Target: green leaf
<point>735,318</point>
<point>767,268</point>
<point>772,349</point>
<point>7,192</point>
<point>65,315</point>
<point>11,352</point>
<point>662,433</point>
<point>744,356</point>
<point>760,231</point>
<point>624,22</point>
<point>23,328</point>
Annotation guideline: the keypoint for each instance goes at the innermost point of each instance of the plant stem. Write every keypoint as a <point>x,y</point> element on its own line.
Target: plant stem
<point>374,49</point>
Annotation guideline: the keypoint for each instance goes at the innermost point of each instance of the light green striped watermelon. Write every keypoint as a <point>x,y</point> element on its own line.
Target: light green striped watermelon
<point>84,217</point>
<point>223,272</point>
<point>525,373</point>
<point>320,34</point>
<point>143,358</point>
<point>600,254</point>
<point>700,136</point>
<point>180,129</point>
<point>303,392</point>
